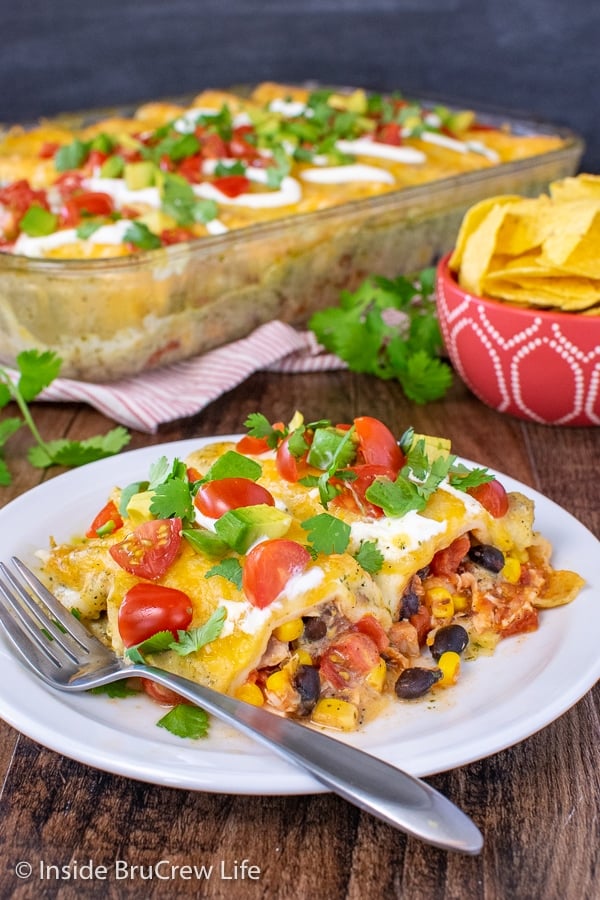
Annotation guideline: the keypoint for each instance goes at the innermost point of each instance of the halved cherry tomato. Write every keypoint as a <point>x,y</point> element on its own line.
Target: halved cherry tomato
<point>351,655</point>
<point>48,149</point>
<point>149,608</point>
<point>239,146</point>
<point>290,467</point>
<point>150,549</point>
<point>447,561</point>
<point>163,695</point>
<point>191,168</point>
<point>353,496</point>
<point>232,185</point>
<point>19,196</point>
<point>269,566</point>
<point>215,498</point>
<point>492,496</point>
<point>373,629</point>
<point>69,182</point>
<point>108,513</point>
<point>377,445</point>
<point>252,446</point>
<point>389,133</point>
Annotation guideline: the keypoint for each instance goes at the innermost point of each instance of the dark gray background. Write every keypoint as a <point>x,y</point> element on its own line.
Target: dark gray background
<point>538,57</point>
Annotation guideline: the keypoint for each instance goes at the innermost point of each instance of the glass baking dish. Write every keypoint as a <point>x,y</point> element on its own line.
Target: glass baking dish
<point>112,318</point>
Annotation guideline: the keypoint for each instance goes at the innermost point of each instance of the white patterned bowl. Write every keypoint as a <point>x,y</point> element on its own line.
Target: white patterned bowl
<point>538,365</point>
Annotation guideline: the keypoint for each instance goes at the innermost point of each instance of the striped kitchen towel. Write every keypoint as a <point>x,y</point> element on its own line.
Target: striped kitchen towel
<point>185,388</point>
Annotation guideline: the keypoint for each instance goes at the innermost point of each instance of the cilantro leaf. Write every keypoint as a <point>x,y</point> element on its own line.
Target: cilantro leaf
<point>369,557</point>
<point>159,642</point>
<point>173,498</point>
<point>403,346</point>
<point>260,427</point>
<point>9,427</point>
<point>185,721</point>
<point>159,472</point>
<point>37,370</point>
<point>327,534</point>
<point>230,569</point>
<point>395,498</point>
<point>463,478</point>
<point>195,638</point>
<point>140,236</point>
<point>5,476</point>
<point>63,452</point>
<point>115,689</point>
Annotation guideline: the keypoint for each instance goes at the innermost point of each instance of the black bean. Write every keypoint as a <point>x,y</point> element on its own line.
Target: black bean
<point>487,556</point>
<point>308,685</point>
<point>415,682</point>
<point>410,604</point>
<point>314,628</point>
<point>450,637</point>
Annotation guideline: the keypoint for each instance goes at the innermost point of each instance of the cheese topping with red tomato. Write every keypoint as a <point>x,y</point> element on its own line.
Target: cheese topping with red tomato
<point>345,567</point>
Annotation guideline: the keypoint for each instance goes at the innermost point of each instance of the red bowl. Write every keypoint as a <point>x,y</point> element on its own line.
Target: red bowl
<point>534,364</point>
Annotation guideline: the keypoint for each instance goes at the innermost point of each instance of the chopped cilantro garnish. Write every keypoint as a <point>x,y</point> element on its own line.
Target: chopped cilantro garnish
<point>71,156</point>
<point>140,236</point>
<point>234,465</point>
<point>369,557</point>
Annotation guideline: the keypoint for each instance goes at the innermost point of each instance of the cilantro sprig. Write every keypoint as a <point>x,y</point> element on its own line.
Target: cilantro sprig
<point>187,641</point>
<point>36,370</point>
<point>361,331</point>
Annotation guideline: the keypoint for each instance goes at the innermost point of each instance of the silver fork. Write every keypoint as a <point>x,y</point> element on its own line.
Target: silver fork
<point>57,647</point>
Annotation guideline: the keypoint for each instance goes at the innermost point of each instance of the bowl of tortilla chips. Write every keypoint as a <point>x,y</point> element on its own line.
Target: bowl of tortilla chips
<point>519,303</point>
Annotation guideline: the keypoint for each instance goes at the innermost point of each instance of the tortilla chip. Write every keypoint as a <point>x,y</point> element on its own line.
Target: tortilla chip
<point>471,221</point>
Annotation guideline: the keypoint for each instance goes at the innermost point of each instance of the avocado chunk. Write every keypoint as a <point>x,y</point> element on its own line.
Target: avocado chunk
<point>138,507</point>
<point>240,528</point>
<point>139,175</point>
<point>434,446</point>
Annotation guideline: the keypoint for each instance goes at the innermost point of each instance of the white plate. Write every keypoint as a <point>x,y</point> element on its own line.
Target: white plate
<point>499,700</point>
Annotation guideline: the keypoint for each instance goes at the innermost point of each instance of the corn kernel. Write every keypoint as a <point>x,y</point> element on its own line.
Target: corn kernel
<point>440,602</point>
<point>511,570</point>
<point>289,631</point>
<point>278,682</point>
<point>302,658</point>
<point>449,664</point>
<point>376,677</point>
<point>250,693</point>
<point>460,602</point>
<point>334,713</point>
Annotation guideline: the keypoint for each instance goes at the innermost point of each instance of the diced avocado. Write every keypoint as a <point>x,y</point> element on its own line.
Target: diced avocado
<point>240,528</point>
<point>434,446</point>
<point>112,167</point>
<point>156,220</point>
<point>138,507</point>
<point>139,175</point>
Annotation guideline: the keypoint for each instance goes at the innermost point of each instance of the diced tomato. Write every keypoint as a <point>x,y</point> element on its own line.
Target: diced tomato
<point>353,492</point>
<point>109,513</point>
<point>377,445</point>
<point>421,620</point>
<point>171,236</point>
<point>217,497</point>
<point>193,474</point>
<point>232,185</point>
<point>213,147</point>
<point>389,133</point>
<point>95,160</point>
<point>88,203</point>
<point>269,566</point>
<point>252,446</point>
<point>190,168</point>
<point>492,496</point>
<point>150,549</point>
<point>149,608</point>
<point>351,655</point>
<point>163,695</point>
<point>69,183</point>
<point>239,146</point>
<point>166,164</point>
<point>290,467</point>
<point>447,561</point>
<point>372,628</point>
<point>19,196</point>
<point>48,149</point>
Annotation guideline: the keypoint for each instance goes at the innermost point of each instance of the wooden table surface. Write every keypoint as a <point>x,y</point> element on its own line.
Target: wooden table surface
<point>537,803</point>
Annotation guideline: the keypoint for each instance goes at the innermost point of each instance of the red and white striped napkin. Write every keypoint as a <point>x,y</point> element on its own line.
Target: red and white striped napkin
<point>185,388</point>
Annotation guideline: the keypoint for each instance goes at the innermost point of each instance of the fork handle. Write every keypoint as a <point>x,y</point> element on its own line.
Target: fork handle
<point>371,784</point>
